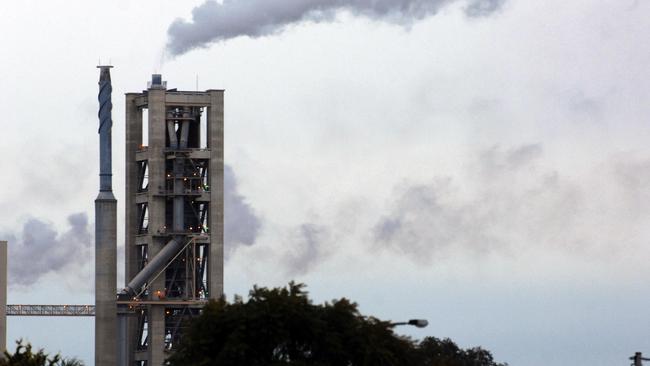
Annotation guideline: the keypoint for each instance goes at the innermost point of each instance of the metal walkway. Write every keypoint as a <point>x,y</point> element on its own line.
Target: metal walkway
<point>50,310</point>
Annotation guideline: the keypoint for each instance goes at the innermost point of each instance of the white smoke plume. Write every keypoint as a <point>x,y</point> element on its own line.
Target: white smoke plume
<point>241,225</point>
<point>213,21</point>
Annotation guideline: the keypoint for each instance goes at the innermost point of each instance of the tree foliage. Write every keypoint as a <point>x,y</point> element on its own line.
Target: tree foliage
<point>432,351</point>
<point>25,356</point>
<point>281,326</point>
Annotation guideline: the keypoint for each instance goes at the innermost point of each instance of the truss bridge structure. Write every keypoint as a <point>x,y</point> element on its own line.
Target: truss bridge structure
<point>50,310</point>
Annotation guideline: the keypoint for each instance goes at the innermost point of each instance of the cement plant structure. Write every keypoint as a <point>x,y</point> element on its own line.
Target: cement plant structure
<point>173,225</point>
<point>174,217</point>
<point>173,221</point>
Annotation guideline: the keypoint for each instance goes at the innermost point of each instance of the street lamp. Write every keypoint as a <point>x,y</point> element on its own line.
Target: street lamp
<point>420,323</point>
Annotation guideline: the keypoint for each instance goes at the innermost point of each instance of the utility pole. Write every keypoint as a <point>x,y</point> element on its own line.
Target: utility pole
<point>638,358</point>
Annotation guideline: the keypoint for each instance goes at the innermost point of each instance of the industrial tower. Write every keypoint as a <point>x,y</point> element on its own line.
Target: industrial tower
<point>105,232</point>
<point>174,217</point>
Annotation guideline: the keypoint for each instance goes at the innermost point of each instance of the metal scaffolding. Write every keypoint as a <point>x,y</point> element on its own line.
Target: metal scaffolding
<point>51,310</point>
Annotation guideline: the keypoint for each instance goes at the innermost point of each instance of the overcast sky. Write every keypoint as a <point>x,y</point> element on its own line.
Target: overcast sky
<point>481,164</point>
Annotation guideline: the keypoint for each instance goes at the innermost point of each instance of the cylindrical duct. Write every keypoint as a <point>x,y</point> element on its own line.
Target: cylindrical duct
<point>155,264</point>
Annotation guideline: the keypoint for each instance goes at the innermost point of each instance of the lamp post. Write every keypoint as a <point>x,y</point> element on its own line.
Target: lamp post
<point>420,323</point>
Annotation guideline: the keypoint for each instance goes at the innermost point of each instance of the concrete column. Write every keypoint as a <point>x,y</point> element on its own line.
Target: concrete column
<point>157,335</point>
<point>215,143</point>
<point>157,139</point>
<point>105,279</point>
<point>133,143</point>
<point>133,131</point>
<point>3,296</point>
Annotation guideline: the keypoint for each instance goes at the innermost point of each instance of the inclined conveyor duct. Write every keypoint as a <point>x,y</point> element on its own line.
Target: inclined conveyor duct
<point>155,264</point>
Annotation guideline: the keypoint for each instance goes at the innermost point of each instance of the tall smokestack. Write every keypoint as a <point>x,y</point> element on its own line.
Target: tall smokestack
<point>105,235</point>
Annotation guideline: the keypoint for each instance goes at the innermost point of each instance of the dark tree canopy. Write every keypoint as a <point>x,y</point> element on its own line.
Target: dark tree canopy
<point>281,326</point>
<point>25,356</point>
<point>432,351</point>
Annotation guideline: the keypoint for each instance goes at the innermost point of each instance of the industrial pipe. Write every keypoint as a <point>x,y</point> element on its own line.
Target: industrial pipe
<point>155,264</point>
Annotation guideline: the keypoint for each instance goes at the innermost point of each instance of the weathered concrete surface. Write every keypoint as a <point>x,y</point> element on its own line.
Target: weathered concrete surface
<point>133,146</point>
<point>105,279</point>
<point>157,137</point>
<point>215,144</point>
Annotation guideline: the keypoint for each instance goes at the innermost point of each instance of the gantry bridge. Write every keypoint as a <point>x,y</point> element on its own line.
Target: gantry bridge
<point>89,310</point>
<point>50,310</point>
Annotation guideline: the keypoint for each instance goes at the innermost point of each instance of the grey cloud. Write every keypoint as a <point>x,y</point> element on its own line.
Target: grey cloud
<point>509,202</point>
<point>587,106</point>
<point>523,155</point>
<point>481,8</point>
<point>307,249</point>
<point>213,22</point>
<point>241,225</point>
<point>41,249</point>
<point>421,223</point>
<point>482,105</point>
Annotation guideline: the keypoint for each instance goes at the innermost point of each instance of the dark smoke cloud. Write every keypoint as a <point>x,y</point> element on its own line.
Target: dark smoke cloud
<point>41,250</point>
<point>241,225</point>
<point>213,22</point>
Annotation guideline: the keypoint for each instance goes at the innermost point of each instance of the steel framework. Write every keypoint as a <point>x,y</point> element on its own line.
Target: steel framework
<point>51,310</point>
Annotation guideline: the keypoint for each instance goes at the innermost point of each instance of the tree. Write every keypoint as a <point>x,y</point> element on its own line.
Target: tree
<point>432,351</point>
<point>281,326</point>
<point>24,356</point>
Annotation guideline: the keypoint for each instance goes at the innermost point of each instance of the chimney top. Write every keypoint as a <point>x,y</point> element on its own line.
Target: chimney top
<point>104,73</point>
<point>157,82</point>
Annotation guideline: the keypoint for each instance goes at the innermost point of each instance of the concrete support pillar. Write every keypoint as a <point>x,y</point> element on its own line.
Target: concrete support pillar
<point>133,144</point>
<point>105,279</point>
<point>215,143</point>
<point>157,335</point>
<point>157,142</point>
<point>3,296</point>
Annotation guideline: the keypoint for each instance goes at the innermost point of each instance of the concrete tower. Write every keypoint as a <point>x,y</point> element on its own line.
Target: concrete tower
<point>174,215</point>
<point>105,235</point>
